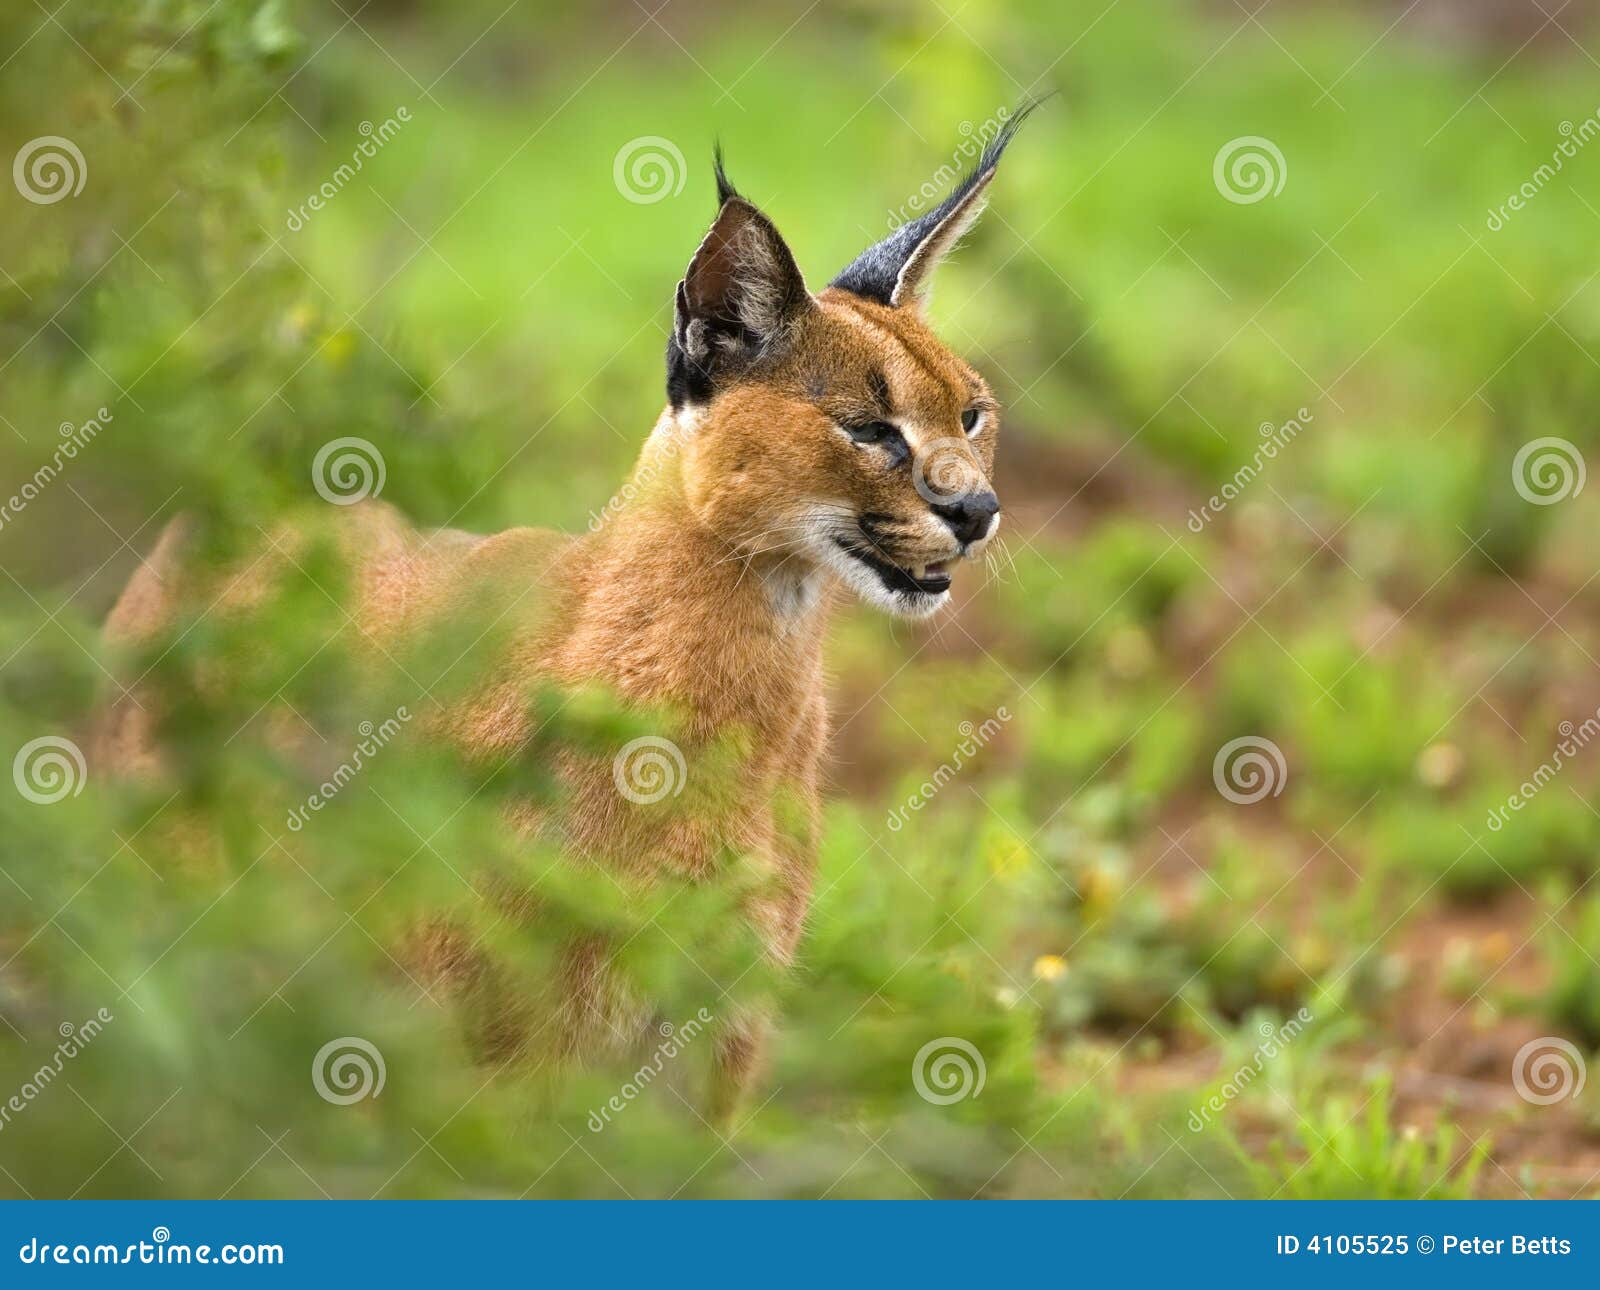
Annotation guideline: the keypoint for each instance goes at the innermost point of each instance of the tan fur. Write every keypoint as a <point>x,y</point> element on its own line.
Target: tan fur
<point>707,592</point>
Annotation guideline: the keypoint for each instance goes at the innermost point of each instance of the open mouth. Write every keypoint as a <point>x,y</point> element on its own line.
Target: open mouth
<point>918,579</point>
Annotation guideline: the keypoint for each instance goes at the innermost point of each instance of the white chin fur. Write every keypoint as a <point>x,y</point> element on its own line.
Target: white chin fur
<point>870,589</point>
<point>906,606</point>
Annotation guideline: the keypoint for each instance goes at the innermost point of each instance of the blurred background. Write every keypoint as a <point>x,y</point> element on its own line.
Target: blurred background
<point>1233,836</point>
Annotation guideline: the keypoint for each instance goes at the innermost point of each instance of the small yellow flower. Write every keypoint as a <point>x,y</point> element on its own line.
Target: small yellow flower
<point>1129,652</point>
<point>1440,765</point>
<point>1049,967</point>
<point>1007,855</point>
<point>337,347</point>
<point>1099,887</point>
<point>1312,954</point>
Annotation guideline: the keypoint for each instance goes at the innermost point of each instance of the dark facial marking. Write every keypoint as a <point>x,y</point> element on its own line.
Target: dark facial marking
<point>878,385</point>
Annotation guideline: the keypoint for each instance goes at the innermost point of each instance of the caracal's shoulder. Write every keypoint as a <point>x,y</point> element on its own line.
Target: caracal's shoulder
<point>408,573</point>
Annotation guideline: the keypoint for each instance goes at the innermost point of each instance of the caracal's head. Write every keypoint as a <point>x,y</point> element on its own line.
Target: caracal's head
<point>833,434</point>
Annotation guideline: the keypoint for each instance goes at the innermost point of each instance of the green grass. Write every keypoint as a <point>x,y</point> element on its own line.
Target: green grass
<point>1350,1150</point>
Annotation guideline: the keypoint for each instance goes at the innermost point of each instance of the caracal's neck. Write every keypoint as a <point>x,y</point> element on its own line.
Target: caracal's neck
<point>670,611</point>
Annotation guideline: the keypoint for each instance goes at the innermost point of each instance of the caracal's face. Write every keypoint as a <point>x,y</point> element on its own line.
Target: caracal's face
<point>865,454</point>
<point>831,436</point>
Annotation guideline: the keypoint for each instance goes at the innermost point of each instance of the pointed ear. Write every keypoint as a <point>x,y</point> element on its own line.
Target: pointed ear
<point>895,272</point>
<point>738,302</point>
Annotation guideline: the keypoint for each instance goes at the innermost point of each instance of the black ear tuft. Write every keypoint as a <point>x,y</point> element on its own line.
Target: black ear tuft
<point>725,188</point>
<point>738,301</point>
<point>895,271</point>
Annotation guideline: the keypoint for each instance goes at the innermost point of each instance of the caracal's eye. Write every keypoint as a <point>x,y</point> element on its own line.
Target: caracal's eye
<point>971,419</point>
<point>878,432</point>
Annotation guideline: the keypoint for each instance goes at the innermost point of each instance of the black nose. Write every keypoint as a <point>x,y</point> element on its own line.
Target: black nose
<point>970,515</point>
